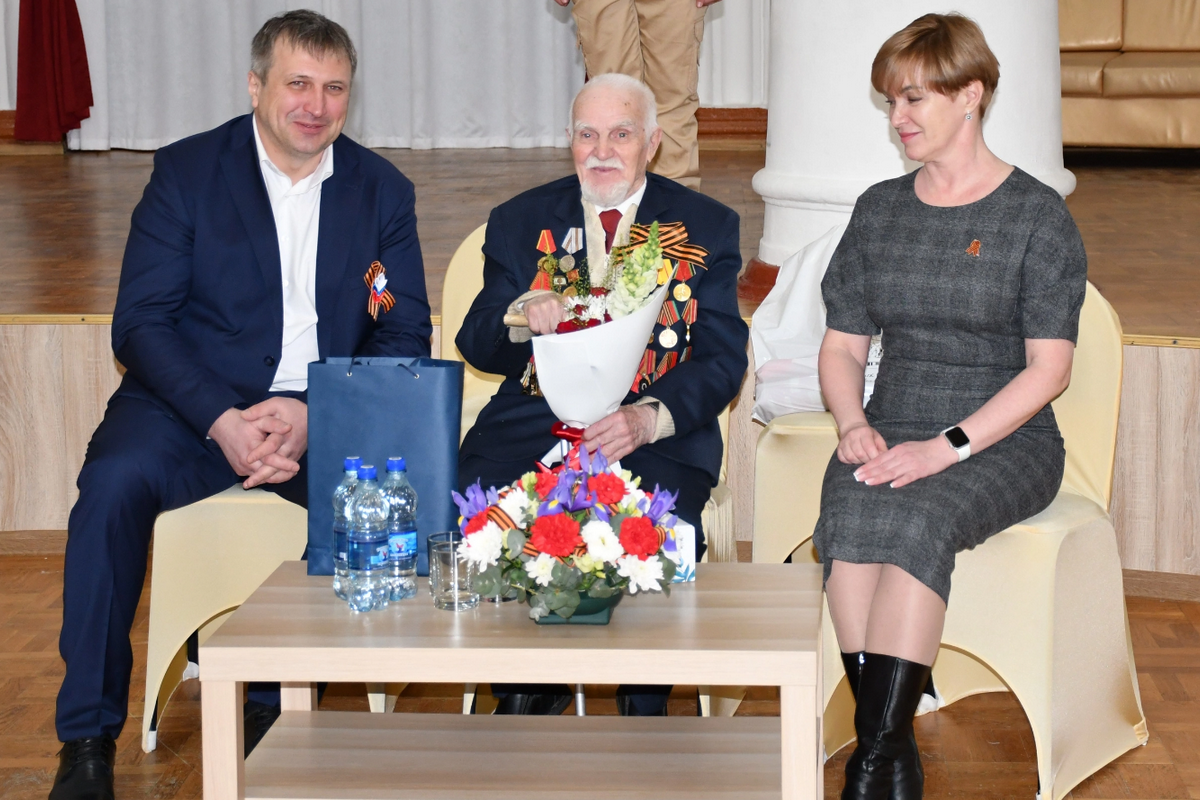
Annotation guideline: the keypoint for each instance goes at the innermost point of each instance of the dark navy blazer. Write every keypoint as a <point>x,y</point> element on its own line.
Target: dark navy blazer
<point>198,323</point>
<point>514,426</point>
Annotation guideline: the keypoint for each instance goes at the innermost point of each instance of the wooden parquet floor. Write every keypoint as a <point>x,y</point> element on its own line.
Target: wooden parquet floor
<point>64,219</point>
<point>980,747</point>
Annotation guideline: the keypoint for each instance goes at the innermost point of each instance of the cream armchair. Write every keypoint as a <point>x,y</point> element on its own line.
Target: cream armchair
<point>1037,610</point>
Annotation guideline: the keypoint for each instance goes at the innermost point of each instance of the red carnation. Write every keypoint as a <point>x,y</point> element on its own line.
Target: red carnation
<point>609,488</point>
<point>546,481</point>
<point>476,522</point>
<point>638,537</point>
<point>557,535</point>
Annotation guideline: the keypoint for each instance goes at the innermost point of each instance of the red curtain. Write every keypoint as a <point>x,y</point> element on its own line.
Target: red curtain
<point>54,88</point>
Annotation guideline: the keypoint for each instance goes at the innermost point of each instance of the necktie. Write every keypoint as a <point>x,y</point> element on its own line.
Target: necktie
<point>610,220</point>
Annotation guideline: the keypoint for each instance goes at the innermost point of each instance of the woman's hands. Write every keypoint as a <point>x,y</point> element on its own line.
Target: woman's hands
<point>904,463</point>
<point>859,444</point>
<point>897,466</point>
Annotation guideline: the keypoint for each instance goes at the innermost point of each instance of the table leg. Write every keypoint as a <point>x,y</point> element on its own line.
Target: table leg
<point>800,726</point>
<point>297,696</point>
<point>222,743</point>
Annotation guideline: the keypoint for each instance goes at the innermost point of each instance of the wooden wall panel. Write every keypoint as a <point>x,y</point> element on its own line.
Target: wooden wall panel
<point>1135,497</point>
<point>32,444</point>
<point>56,379</point>
<point>1177,533</point>
<point>1156,507</point>
<point>90,375</point>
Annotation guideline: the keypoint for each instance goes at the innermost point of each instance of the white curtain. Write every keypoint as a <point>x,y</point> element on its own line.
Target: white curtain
<point>8,54</point>
<point>733,55</point>
<point>431,73</point>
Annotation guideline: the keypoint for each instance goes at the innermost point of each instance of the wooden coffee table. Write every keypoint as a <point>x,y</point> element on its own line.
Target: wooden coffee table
<point>738,624</point>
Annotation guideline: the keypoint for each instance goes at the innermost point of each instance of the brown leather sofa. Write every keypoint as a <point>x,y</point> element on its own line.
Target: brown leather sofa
<point>1130,72</point>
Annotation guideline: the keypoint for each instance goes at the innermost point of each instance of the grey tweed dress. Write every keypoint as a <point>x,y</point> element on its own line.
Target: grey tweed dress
<point>955,291</point>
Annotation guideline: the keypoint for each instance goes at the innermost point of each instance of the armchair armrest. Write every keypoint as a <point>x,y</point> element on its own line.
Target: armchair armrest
<point>790,462</point>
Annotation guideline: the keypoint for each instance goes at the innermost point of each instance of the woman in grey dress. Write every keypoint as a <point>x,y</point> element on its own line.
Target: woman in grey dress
<point>975,273</point>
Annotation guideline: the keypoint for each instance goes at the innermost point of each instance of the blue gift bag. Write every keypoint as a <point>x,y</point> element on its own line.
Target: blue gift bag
<point>378,407</point>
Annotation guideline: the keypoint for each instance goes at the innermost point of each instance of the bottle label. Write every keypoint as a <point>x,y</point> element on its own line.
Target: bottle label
<point>366,555</point>
<point>402,544</point>
<point>339,544</point>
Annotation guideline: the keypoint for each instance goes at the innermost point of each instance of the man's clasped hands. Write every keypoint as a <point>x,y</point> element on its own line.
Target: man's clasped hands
<point>263,443</point>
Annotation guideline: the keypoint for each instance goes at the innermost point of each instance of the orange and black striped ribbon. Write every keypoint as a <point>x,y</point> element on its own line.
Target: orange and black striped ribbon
<point>690,309</point>
<point>669,314</point>
<point>375,301</point>
<point>669,360</point>
<point>673,238</point>
<point>502,519</point>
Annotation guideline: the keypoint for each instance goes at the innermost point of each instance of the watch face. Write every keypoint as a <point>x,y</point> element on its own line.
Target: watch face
<point>957,438</point>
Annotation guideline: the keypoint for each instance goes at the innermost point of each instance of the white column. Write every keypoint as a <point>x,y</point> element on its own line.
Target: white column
<point>828,136</point>
<point>8,54</point>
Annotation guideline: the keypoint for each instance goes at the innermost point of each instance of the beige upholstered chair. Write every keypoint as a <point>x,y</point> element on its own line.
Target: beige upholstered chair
<point>1038,609</point>
<point>208,558</point>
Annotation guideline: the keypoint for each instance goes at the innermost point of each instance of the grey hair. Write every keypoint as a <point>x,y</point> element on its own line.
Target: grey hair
<point>622,82</point>
<point>314,32</point>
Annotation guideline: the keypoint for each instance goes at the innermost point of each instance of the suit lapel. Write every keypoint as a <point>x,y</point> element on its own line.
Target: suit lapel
<point>341,195</point>
<point>653,206</point>
<point>242,172</point>
<point>568,211</point>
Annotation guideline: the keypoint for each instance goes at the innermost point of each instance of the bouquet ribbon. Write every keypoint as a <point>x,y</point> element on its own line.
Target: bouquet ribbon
<point>567,433</point>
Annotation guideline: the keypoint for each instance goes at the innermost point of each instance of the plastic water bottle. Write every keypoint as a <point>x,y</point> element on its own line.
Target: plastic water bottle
<point>402,530</point>
<point>341,500</point>
<point>367,545</point>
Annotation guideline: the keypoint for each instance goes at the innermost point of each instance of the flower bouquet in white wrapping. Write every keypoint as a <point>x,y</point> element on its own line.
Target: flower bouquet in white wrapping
<point>585,369</point>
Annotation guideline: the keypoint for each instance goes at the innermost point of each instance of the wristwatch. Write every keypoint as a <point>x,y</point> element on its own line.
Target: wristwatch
<point>958,441</point>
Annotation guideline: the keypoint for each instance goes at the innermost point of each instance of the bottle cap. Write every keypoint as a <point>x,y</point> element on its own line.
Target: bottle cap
<point>353,462</point>
<point>396,464</point>
<point>366,473</point>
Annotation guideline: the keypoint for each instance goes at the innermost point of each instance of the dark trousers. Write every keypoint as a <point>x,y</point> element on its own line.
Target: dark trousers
<point>142,460</point>
<point>694,488</point>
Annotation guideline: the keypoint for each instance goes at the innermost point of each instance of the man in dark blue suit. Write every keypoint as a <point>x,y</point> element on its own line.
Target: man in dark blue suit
<point>245,261</point>
<point>666,430</point>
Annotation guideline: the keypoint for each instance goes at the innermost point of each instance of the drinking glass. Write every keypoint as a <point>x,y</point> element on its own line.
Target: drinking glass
<point>451,577</point>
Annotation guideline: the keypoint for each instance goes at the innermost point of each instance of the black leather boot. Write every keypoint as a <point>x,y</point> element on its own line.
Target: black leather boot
<point>908,778</point>
<point>85,769</point>
<point>889,690</point>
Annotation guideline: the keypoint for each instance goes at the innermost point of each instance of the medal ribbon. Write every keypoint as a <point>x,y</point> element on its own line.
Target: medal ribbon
<point>673,238</point>
<point>669,360</point>
<point>690,310</point>
<point>377,299</point>
<point>669,314</point>
<point>684,271</point>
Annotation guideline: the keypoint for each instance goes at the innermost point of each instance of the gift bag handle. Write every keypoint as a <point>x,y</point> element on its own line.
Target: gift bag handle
<point>358,360</point>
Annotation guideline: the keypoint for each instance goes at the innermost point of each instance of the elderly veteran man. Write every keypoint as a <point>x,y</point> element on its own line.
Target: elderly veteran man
<point>245,261</point>
<point>666,429</point>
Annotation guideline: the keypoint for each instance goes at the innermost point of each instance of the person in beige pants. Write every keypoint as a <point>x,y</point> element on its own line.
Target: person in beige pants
<point>657,42</point>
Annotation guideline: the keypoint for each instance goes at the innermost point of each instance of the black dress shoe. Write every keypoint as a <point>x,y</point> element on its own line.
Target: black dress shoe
<point>257,719</point>
<point>85,769</point>
<point>533,704</point>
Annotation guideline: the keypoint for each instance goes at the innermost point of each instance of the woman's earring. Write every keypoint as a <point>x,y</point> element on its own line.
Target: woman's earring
<point>968,116</point>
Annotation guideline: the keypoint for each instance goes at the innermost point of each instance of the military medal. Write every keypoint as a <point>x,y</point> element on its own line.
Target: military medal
<point>573,241</point>
<point>668,338</point>
<point>690,310</point>
<point>547,264</point>
<point>682,292</point>
<point>567,263</point>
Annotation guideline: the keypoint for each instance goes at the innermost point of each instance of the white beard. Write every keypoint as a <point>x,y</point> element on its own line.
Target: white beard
<point>609,197</point>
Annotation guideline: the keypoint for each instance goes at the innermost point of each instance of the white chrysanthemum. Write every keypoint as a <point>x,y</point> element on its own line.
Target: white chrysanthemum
<point>483,546</point>
<point>633,496</point>
<point>515,503</point>
<point>541,568</point>
<point>645,575</point>
<point>602,541</point>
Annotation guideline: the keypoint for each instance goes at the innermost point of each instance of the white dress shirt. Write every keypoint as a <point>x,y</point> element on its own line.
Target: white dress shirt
<point>297,211</point>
